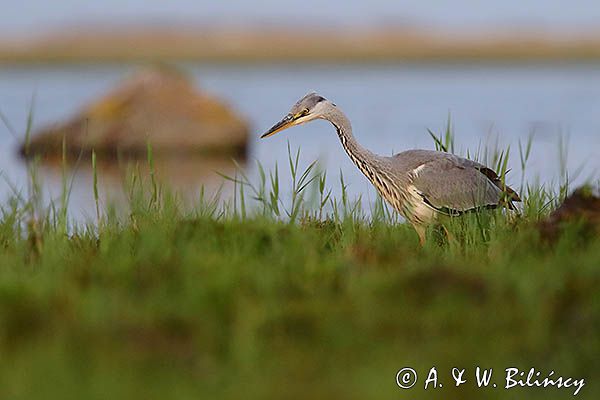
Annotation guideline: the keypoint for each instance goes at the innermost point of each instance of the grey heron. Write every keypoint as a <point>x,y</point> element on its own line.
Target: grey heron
<point>421,185</point>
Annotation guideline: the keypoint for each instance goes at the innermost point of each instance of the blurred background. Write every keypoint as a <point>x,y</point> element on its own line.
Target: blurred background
<point>500,71</point>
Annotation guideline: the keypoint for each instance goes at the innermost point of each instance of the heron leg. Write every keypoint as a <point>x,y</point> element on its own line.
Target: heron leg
<point>422,232</point>
<point>440,234</point>
<point>440,230</point>
<point>449,237</point>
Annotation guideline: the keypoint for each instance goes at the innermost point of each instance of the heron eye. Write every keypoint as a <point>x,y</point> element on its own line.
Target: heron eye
<point>305,111</point>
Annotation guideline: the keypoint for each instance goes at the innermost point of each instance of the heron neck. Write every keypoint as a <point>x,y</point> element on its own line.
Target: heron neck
<point>357,153</point>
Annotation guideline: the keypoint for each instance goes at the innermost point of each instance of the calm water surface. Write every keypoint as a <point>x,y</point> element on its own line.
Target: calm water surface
<point>390,107</point>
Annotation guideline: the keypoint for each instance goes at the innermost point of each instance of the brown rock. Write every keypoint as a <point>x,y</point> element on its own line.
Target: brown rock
<point>159,106</point>
<point>582,206</point>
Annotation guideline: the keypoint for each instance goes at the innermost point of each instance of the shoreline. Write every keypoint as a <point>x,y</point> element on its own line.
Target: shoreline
<point>320,45</point>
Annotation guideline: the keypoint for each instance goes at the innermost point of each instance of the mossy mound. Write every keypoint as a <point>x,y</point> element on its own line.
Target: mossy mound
<point>159,106</point>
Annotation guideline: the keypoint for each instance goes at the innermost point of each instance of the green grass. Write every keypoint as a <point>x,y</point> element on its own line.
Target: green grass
<point>259,298</point>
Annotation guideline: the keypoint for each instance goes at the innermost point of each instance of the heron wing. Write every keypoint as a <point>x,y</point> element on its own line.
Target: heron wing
<point>454,185</point>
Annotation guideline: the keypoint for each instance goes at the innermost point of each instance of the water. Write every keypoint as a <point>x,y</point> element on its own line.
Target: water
<point>390,107</point>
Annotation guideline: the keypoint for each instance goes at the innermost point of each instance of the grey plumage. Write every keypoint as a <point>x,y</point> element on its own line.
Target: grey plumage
<point>450,182</point>
<point>420,184</point>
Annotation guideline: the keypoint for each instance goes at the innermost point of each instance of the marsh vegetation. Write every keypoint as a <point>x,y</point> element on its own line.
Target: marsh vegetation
<point>262,295</point>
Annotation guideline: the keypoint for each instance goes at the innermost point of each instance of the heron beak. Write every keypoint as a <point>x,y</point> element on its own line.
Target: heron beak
<point>285,123</point>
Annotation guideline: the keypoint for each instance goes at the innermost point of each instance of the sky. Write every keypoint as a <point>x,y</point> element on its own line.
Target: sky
<point>35,16</point>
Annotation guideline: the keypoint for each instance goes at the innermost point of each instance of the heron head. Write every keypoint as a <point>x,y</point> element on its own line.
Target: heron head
<point>308,108</point>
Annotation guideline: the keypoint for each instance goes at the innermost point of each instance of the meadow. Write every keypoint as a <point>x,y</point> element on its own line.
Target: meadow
<point>268,296</point>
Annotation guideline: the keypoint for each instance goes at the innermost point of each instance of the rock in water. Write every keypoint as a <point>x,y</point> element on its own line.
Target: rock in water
<point>159,106</point>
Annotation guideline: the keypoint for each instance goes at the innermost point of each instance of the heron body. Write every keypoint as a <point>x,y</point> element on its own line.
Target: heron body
<point>421,185</point>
